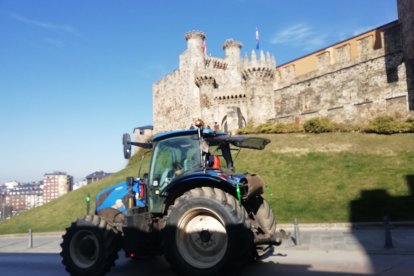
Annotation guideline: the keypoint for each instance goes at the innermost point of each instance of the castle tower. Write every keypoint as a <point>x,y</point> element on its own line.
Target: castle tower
<point>232,53</point>
<point>259,75</point>
<point>206,85</point>
<point>193,57</point>
<point>232,58</point>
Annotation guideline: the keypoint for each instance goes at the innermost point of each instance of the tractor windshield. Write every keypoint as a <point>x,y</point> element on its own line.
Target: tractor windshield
<point>172,157</point>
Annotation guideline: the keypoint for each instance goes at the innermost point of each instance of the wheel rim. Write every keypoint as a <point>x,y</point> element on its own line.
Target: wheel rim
<point>84,248</point>
<point>201,238</point>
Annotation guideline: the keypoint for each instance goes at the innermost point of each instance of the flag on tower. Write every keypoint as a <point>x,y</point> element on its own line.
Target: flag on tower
<point>257,38</point>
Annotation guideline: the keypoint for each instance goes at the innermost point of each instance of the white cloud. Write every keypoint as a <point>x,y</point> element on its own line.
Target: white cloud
<point>45,25</point>
<point>299,35</point>
<point>292,33</point>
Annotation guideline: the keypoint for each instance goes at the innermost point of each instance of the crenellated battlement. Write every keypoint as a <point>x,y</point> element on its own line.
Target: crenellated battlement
<point>264,61</point>
<point>262,73</point>
<point>262,68</point>
<point>205,80</point>
<point>215,63</point>
<point>231,43</point>
<point>194,34</point>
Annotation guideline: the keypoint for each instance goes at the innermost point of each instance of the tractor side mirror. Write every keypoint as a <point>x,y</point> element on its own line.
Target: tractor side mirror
<point>126,141</point>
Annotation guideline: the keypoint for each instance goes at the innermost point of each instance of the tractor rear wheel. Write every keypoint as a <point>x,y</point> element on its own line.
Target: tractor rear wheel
<point>266,218</point>
<point>207,232</point>
<point>266,222</point>
<point>90,247</point>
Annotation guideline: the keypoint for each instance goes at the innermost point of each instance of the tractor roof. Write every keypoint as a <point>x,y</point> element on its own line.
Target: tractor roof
<point>205,133</point>
<point>216,138</point>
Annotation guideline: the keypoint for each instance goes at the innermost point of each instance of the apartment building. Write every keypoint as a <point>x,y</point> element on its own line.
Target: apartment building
<point>55,185</point>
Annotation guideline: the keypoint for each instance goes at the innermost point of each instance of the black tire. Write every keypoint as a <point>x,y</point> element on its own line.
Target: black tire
<point>207,233</point>
<point>266,222</point>
<point>266,218</point>
<point>90,246</point>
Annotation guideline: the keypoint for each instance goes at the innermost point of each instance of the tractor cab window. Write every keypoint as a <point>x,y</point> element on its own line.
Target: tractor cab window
<point>172,158</point>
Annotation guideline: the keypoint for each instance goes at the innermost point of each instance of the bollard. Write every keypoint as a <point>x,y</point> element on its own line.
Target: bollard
<point>297,234</point>
<point>388,238</point>
<point>30,238</point>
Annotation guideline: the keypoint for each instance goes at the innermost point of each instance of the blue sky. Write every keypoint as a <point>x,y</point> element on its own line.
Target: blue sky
<point>76,75</point>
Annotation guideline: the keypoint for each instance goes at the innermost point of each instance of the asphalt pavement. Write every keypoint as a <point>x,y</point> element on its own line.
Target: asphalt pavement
<point>313,249</point>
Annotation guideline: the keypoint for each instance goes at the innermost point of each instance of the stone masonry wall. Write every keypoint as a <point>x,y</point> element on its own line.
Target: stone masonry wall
<point>349,90</point>
<point>235,91</point>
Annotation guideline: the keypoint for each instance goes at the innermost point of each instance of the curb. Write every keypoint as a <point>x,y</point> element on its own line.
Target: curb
<point>346,225</point>
<point>35,234</point>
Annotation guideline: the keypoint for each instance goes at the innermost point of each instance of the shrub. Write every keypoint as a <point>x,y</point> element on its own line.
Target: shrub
<point>380,125</point>
<point>319,125</point>
<point>383,125</point>
<point>287,128</point>
<point>270,128</point>
<point>410,124</point>
<point>406,127</point>
<point>266,128</point>
<point>248,129</point>
<point>388,125</point>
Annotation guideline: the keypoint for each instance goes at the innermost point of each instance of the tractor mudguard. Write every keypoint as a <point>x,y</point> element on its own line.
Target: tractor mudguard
<point>176,188</point>
<point>198,180</point>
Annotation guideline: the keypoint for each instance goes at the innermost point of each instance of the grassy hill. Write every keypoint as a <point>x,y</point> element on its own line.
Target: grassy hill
<point>315,178</point>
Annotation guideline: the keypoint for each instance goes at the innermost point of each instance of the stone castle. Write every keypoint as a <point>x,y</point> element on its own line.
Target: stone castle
<point>355,80</point>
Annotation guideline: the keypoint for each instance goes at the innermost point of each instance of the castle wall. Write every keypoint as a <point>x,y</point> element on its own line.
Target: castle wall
<point>351,81</point>
<point>351,90</point>
<point>173,100</point>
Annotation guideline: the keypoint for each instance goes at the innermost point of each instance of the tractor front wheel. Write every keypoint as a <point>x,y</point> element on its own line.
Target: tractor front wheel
<point>89,247</point>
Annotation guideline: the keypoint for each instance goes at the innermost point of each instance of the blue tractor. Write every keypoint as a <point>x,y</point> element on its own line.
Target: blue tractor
<point>190,207</point>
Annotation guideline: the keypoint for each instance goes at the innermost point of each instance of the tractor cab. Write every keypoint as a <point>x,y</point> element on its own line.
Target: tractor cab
<point>191,157</point>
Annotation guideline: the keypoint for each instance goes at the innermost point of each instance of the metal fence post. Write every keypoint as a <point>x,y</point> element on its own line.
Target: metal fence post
<point>388,238</point>
<point>30,238</point>
<point>297,233</point>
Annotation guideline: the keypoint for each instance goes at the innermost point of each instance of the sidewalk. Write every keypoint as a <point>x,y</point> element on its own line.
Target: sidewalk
<point>41,243</point>
<point>369,238</point>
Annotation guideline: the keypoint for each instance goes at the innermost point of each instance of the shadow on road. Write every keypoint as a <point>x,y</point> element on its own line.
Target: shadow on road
<point>16,264</point>
<point>271,268</point>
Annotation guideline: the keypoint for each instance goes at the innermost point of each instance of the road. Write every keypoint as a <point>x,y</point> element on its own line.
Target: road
<point>333,251</point>
<point>286,262</point>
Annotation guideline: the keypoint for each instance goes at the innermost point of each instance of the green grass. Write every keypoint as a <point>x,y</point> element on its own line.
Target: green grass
<point>313,177</point>
<point>337,177</point>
